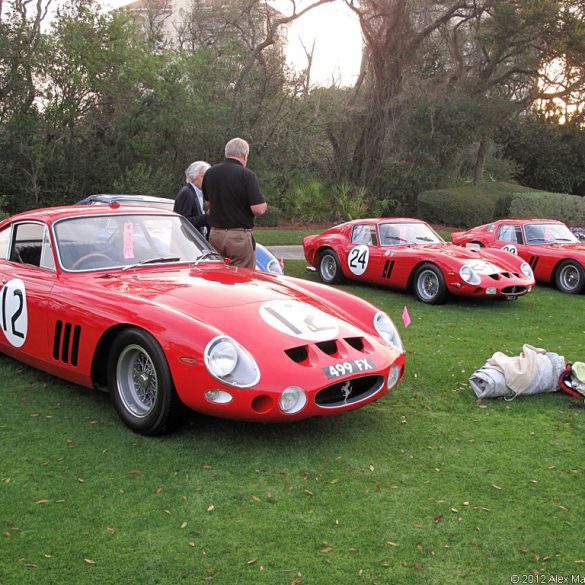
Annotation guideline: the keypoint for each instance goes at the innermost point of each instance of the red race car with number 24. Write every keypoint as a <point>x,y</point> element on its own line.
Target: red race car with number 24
<point>408,254</point>
<point>136,301</point>
<point>552,250</point>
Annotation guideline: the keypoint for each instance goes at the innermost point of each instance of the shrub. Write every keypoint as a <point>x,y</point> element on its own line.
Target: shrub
<point>469,205</point>
<point>270,218</point>
<point>561,206</point>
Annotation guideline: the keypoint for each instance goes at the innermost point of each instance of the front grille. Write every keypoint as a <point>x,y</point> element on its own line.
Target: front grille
<point>349,392</point>
<point>514,290</point>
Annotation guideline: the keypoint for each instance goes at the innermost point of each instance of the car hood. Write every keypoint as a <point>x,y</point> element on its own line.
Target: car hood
<point>451,253</point>
<point>570,247</point>
<point>217,295</point>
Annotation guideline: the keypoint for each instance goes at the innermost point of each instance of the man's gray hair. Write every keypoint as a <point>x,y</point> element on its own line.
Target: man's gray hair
<point>237,147</point>
<point>195,169</point>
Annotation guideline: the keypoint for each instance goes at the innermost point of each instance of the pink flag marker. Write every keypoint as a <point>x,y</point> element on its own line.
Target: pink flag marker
<point>405,317</point>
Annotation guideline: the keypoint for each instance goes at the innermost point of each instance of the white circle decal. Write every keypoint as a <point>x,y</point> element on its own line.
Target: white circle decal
<point>13,312</point>
<point>358,259</point>
<point>510,248</point>
<point>299,320</point>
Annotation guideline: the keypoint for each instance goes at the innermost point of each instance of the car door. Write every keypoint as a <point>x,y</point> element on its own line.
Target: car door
<point>363,252</point>
<point>27,276</point>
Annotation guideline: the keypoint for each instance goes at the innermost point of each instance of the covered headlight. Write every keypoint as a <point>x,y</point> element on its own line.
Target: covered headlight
<point>274,267</point>
<point>468,275</point>
<point>387,330</point>
<point>230,363</point>
<point>292,400</point>
<point>525,267</point>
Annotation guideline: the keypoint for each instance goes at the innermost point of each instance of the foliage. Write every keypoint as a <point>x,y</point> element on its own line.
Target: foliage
<point>567,208</point>
<point>550,155</point>
<point>427,485</point>
<point>146,181</point>
<point>270,218</point>
<point>349,203</point>
<point>467,206</point>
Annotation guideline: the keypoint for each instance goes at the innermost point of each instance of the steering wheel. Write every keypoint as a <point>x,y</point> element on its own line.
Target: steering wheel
<point>88,257</point>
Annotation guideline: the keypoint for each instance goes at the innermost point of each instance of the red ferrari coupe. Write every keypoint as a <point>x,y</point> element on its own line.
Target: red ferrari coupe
<point>136,301</point>
<point>408,254</point>
<point>552,250</point>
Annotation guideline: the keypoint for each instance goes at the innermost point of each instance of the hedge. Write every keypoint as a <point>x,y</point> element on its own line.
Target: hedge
<point>468,206</point>
<point>567,208</point>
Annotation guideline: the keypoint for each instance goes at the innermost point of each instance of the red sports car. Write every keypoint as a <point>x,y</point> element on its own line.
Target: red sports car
<point>408,254</point>
<point>552,250</point>
<point>136,301</point>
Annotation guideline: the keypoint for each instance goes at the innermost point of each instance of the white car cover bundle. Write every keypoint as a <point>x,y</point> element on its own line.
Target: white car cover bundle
<point>534,371</point>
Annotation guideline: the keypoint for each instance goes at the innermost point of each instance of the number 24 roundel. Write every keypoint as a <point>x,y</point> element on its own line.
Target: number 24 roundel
<point>357,259</point>
<point>13,312</point>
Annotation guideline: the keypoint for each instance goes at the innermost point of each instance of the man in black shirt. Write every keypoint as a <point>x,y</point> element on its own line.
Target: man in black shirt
<point>235,199</point>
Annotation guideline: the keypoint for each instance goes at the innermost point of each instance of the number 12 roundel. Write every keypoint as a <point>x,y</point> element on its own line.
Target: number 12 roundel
<point>13,312</point>
<point>357,259</point>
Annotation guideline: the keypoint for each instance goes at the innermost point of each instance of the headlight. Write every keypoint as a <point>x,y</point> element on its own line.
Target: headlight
<point>230,363</point>
<point>292,400</point>
<point>468,275</point>
<point>274,267</point>
<point>525,267</point>
<point>387,331</point>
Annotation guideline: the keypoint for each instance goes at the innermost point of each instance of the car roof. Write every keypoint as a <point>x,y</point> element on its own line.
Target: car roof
<point>520,221</point>
<point>52,214</point>
<point>107,197</point>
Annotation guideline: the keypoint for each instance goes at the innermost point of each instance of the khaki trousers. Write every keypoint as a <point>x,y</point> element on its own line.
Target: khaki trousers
<point>235,244</point>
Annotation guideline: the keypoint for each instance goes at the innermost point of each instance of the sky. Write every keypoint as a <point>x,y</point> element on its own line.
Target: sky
<point>336,33</point>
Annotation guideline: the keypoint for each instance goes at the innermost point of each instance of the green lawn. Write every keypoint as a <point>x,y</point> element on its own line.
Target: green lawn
<point>427,485</point>
<point>283,237</point>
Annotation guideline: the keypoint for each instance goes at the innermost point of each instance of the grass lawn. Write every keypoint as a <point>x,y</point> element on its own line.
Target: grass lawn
<point>427,485</point>
<point>283,237</point>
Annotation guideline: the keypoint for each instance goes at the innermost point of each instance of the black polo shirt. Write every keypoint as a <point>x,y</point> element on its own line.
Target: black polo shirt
<point>231,189</point>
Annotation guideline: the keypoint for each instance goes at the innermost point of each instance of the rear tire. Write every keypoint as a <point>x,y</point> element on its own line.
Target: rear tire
<point>429,285</point>
<point>570,277</point>
<point>330,267</point>
<point>140,383</point>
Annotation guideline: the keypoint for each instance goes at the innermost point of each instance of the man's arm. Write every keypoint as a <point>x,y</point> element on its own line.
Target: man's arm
<point>258,209</point>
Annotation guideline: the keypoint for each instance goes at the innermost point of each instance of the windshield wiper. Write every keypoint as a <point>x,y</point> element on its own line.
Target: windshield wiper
<point>157,260</point>
<point>426,239</point>
<point>397,238</point>
<point>206,255</point>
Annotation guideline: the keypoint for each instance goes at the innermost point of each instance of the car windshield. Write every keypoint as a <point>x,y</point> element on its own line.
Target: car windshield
<point>548,233</point>
<point>100,242</point>
<point>400,234</point>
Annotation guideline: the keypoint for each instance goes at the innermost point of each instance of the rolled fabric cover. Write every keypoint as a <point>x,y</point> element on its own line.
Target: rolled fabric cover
<point>542,375</point>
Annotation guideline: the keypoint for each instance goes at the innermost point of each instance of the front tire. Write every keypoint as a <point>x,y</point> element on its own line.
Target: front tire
<point>429,285</point>
<point>570,277</point>
<point>330,267</point>
<point>140,383</point>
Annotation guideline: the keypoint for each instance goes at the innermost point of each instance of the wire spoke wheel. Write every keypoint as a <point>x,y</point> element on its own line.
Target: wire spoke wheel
<point>570,277</point>
<point>429,285</point>
<point>137,380</point>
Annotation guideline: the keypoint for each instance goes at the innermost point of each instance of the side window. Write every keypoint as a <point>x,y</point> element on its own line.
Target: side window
<point>364,234</point>
<point>47,258</point>
<point>4,242</point>
<point>510,233</point>
<point>28,241</point>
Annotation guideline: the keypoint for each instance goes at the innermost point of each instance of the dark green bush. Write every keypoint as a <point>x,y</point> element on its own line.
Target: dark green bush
<point>271,218</point>
<point>468,206</point>
<point>567,208</point>
<point>457,209</point>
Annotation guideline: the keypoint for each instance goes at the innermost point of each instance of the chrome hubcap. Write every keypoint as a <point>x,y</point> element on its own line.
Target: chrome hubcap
<point>428,284</point>
<point>137,380</point>
<point>570,277</point>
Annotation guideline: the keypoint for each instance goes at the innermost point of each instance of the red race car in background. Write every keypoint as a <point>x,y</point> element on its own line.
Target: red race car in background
<point>554,253</point>
<point>136,301</point>
<point>408,254</point>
